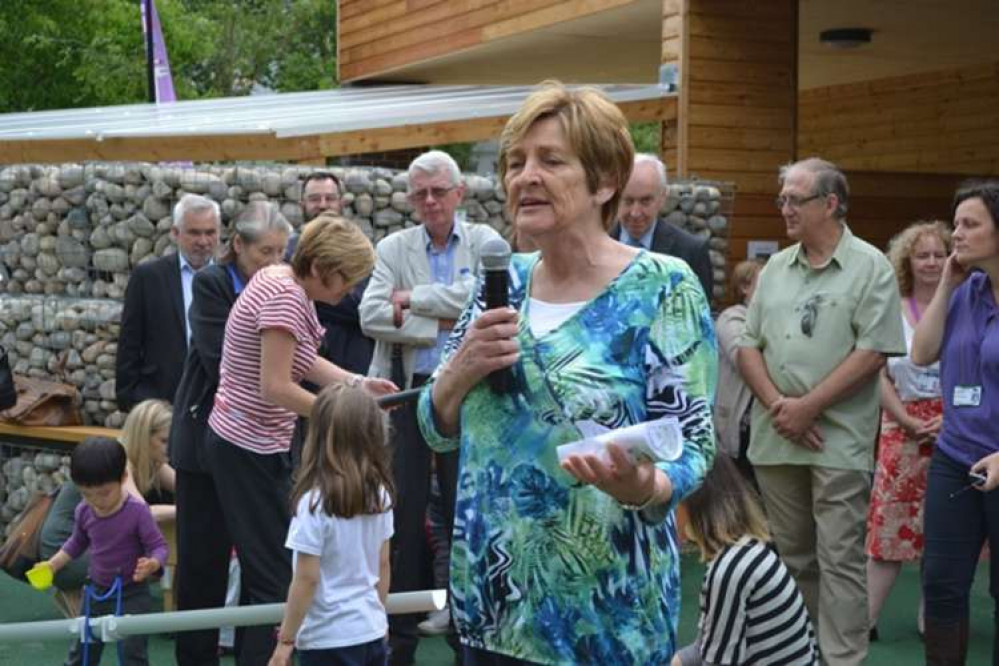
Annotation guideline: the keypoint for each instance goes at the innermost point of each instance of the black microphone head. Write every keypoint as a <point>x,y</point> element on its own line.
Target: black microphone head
<point>495,255</point>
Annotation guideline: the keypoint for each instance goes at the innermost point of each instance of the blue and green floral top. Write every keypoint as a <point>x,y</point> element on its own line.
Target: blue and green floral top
<point>543,568</point>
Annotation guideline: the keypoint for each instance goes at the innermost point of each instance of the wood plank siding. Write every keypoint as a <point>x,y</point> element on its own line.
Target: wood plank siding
<point>376,36</point>
<point>937,122</point>
<point>737,68</point>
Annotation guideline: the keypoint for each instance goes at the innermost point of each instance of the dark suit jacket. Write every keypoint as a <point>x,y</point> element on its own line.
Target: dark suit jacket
<point>153,339</point>
<point>213,296</point>
<point>670,239</point>
<point>344,343</point>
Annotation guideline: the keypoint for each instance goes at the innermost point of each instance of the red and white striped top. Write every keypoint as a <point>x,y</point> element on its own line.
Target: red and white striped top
<point>272,299</point>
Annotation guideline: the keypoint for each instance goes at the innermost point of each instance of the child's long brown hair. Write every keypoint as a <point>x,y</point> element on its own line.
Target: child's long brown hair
<point>723,510</point>
<point>346,456</point>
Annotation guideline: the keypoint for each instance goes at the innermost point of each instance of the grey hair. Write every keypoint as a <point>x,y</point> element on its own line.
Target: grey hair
<point>255,220</point>
<point>194,203</point>
<point>828,180</point>
<point>649,158</point>
<point>433,161</point>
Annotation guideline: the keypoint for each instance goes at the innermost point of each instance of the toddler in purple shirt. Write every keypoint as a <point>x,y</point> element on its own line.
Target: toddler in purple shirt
<point>121,535</point>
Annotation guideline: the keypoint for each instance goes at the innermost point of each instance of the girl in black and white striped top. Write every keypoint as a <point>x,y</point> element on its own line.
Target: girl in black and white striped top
<point>751,609</point>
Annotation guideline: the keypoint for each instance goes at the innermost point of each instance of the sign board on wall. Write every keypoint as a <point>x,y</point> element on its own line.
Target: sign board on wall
<point>761,249</point>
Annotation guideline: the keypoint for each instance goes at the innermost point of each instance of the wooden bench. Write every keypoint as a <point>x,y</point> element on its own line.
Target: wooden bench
<point>65,435</point>
<point>68,436</point>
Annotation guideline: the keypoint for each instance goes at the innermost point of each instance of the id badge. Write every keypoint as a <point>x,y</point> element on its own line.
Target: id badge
<point>928,383</point>
<point>967,396</point>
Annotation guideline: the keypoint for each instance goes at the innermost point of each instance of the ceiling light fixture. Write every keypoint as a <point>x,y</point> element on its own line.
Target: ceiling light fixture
<point>846,38</point>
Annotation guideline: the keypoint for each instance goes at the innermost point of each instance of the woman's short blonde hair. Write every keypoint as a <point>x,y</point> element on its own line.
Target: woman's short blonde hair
<point>331,245</point>
<point>902,245</point>
<point>596,130</point>
<point>145,420</point>
<point>743,275</point>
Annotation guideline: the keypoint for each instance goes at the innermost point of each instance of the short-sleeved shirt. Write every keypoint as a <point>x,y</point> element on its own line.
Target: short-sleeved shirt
<point>116,542</point>
<point>272,300</point>
<point>969,372</point>
<point>346,609</point>
<point>806,320</point>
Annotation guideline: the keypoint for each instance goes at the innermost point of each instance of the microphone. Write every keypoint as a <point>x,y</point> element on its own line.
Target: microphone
<point>495,258</point>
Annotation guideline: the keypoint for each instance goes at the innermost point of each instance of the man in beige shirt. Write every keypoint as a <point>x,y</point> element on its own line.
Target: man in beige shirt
<point>822,321</point>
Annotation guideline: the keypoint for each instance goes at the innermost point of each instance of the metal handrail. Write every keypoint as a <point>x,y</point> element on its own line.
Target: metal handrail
<point>110,628</point>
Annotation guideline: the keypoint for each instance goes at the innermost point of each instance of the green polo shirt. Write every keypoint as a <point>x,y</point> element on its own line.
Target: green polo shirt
<point>806,321</point>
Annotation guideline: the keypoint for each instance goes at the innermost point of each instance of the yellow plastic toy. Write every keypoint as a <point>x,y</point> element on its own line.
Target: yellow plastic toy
<point>40,576</point>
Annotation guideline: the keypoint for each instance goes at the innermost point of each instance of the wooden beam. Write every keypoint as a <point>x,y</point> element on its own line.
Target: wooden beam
<point>480,129</point>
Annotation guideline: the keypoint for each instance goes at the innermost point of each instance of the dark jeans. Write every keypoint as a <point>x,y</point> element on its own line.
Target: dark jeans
<point>135,600</point>
<point>203,550</point>
<point>253,490</point>
<point>410,566</point>
<point>366,654</point>
<point>955,530</point>
<point>476,657</point>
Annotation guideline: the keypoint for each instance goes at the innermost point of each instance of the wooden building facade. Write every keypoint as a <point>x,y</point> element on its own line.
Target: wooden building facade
<point>756,89</point>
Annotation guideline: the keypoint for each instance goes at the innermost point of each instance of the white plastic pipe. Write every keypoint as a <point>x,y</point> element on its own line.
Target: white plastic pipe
<point>110,628</point>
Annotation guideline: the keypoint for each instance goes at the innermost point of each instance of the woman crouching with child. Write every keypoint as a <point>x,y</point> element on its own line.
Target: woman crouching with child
<point>751,609</point>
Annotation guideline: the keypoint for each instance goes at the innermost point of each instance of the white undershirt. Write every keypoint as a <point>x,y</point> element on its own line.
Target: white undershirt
<point>544,318</point>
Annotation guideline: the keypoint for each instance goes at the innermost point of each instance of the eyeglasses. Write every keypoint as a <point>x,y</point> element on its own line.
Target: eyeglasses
<point>435,192</point>
<point>795,202</point>
<point>320,198</point>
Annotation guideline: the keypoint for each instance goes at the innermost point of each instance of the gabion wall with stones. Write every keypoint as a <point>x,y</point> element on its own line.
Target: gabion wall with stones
<point>70,235</point>
<point>24,472</point>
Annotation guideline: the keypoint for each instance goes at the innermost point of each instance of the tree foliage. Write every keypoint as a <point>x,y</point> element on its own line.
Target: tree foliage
<point>76,53</point>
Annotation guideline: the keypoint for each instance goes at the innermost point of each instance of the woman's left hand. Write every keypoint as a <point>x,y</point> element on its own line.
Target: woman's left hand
<point>375,386</point>
<point>622,479</point>
<point>989,466</point>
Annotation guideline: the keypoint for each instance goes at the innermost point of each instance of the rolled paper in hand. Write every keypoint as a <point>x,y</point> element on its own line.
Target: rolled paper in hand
<point>659,441</point>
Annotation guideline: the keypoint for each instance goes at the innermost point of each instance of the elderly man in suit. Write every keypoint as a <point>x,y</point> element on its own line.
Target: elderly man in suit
<point>423,276</point>
<point>639,224</point>
<point>152,344</point>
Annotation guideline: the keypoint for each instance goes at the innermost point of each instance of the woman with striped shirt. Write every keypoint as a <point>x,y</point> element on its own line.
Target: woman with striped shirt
<point>751,609</point>
<point>271,344</point>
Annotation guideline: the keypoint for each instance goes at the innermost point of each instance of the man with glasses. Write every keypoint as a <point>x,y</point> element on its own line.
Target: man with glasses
<point>155,329</point>
<point>422,278</point>
<point>821,322</point>
<point>343,344</point>
<point>320,193</point>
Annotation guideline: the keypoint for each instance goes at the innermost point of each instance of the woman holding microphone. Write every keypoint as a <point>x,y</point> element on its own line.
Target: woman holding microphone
<point>574,562</point>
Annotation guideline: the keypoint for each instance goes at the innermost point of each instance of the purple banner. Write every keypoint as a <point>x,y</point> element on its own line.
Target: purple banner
<point>163,81</point>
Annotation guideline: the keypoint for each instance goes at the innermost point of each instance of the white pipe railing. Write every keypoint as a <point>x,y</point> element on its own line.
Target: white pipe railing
<point>109,628</point>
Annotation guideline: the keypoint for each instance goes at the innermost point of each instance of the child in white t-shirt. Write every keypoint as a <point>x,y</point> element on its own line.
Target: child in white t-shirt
<point>339,536</point>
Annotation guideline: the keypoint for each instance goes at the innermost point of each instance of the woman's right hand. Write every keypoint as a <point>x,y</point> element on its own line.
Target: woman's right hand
<point>989,466</point>
<point>953,273</point>
<point>490,344</point>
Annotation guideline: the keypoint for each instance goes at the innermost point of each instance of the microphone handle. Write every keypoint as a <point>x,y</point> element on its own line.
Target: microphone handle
<point>497,295</point>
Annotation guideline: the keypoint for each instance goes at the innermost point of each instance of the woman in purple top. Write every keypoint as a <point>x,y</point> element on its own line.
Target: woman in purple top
<point>961,329</point>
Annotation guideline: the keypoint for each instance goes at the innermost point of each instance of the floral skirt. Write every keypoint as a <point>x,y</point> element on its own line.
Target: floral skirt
<point>895,517</point>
